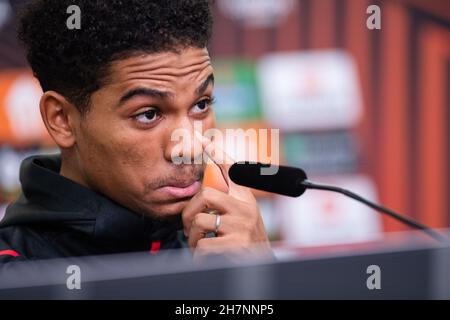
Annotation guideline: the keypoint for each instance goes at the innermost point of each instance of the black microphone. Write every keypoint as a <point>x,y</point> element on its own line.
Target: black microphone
<point>293,182</point>
<point>286,181</point>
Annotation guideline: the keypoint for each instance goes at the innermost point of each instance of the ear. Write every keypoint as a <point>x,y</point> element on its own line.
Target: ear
<point>60,117</point>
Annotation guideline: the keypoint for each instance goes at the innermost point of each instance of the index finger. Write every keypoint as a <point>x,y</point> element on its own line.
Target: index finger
<point>217,155</point>
<point>224,162</point>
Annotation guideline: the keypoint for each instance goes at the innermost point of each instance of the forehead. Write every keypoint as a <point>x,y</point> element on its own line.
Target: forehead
<point>161,69</point>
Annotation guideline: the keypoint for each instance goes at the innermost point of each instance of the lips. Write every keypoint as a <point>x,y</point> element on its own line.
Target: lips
<point>181,189</point>
<point>180,184</point>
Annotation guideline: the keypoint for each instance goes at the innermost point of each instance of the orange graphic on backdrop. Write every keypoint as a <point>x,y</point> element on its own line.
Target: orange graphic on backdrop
<point>20,122</point>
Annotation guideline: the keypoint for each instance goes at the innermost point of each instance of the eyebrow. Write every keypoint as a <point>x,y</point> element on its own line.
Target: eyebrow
<point>158,94</point>
<point>202,88</point>
<point>147,92</point>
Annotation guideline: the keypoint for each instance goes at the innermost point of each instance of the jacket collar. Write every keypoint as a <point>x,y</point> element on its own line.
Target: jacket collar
<point>64,200</point>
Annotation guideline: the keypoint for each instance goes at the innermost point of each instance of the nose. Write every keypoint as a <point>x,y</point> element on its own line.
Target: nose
<point>183,147</point>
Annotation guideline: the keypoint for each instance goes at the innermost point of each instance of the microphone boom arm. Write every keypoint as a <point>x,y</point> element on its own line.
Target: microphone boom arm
<point>410,222</point>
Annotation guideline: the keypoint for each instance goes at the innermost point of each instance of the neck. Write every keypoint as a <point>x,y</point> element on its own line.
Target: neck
<point>72,172</point>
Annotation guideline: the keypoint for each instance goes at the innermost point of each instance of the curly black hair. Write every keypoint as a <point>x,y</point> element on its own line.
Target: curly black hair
<point>75,62</point>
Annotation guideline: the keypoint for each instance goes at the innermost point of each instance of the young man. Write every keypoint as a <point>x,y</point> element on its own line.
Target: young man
<point>114,91</point>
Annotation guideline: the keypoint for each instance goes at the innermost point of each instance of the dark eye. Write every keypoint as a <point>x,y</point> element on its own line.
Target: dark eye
<point>147,117</point>
<point>202,105</point>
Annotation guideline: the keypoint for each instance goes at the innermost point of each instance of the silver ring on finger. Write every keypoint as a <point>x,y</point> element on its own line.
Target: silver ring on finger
<point>217,225</point>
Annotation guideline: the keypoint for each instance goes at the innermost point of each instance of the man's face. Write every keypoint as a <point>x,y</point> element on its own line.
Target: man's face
<point>124,144</point>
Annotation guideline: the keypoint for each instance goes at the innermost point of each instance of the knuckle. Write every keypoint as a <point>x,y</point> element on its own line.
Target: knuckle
<point>248,225</point>
<point>249,210</point>
<point>197,221</point>
<point>208,196</point>
<point>250,220</point>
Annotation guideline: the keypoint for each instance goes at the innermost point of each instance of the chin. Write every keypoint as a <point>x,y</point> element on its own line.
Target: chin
<point>166,210</point>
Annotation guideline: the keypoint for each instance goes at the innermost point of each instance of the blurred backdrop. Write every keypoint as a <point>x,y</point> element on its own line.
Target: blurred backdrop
<point>364,109</point>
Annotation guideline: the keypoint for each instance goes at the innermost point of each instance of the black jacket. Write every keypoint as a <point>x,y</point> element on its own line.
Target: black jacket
<point>56,217</point>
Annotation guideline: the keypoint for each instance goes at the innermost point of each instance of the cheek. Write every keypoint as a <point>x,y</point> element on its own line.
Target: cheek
<point>119,155</point>
<point>131,169</point>
<point>138,163</point>
<point>134,154</point>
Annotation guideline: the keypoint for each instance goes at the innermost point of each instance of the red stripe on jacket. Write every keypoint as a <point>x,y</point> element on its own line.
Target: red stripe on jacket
<point>9,253</point>
<point>155,247</point>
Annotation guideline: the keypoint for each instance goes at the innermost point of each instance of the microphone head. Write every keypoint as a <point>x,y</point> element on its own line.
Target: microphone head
<point>286,181</point>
